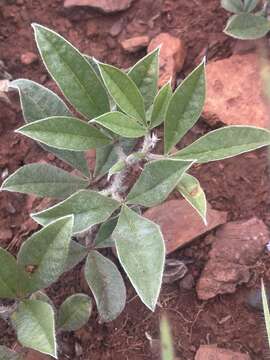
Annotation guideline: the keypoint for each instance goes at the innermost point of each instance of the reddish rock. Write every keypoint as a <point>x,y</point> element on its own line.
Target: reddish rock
<point>172,56</point>
<point>106,6</point>
<point>136,43</point>
<point>28,58</point>
<point>5,235</point>
<point>236,246</point>
<point>180,223</point>
<point>235,92</point>
<point>211,352</point>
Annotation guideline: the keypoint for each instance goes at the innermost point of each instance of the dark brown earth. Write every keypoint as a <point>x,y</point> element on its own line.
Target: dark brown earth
<point>239,186</point>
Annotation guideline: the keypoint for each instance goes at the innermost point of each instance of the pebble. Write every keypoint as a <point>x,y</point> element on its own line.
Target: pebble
<point>28,58</point>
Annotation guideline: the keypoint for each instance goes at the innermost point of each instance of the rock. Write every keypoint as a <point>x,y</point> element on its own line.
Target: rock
<point>28,58</point>
<point>187,283</point>
<point>211,352</point>
<point>106,6</point>
<point>172,56</point>
<point>116,28</point>
<point>236,247</point>
<point>180,223</point>
<point>5,235</point>
<point>235,92</point>
<point>136,43</point>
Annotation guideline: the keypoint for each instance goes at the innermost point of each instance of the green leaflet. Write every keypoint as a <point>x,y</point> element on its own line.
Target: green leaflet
<point>103,237</point>
<point>141,251</point>
<point>72,72</point>
<point>7,354</point>
<point>160,105</point>
<point>123,91</point>
<point>157,181</point>
<point>266,311</point>
<point>234,6</point>
<point>45,253</point>
<point>65,132</point>
<point>145,75</point>
<point>74,312</point>
<point>14,282</point>
<point>121,124</point>
<point>43,180</point>
<point>106,156</point>
<point>224,143</point>
<point>185,107</point>
<point>88,207</point>
<point>76,254</point>
<point>35,327</point>
<point>38,102</point>
<point>247,26</point>
<point>192,191</point>
<point>106,284</point>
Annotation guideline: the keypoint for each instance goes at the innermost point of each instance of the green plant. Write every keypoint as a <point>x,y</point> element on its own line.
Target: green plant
<point>120,111</point>
<point>246,24</point>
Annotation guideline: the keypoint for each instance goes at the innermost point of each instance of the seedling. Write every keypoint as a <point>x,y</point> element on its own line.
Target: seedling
<point>119,113</point>
<point>248,22</point>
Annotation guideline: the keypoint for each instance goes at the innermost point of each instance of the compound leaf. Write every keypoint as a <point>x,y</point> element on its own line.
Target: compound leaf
<point>224,143</point>
<point>88,207</point>
<point>192,191</point>
<point>185,107</point>
<point>123,91</point>
<point>247,26</point>
<point>121,124</point>
<point>160,105</point>
<point>34,323</point>
<point>141,251</point>
<point>156,182</point>
<point>72,72</point>
<point>74,312</point>
<point>145,75</point>
<point>37,103</point>
<point>45,253</point>
<point>65,132</point>
<point>107,285</point>
<point>43,180</point>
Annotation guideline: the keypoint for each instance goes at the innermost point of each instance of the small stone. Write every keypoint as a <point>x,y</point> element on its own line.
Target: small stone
<point>91,28</point>
<point>28,58</point>
<point>5,235</point>
<point>180,223</point>
<point>136,43</point>
<point>211,352</point>
<point>236,247</point>
<point>172,56</point>
<point>235,92</point>
<point>187,283</point>
<point>106,6</point>
<point>116,28</point>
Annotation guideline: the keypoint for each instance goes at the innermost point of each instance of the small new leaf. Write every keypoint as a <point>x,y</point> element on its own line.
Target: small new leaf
<point>74,312</point>
<point>121,124</point>
<point>141,251</point>
<point>160,105</point>
<point>107,285</point>
<point>247,26</point>
<point>157,181</point>
<point>224,143</point>
<point>35,327</point>
<point>44,255</point>
<point>192,191</point>
<point>72,72</point>
<point>43,180</point>
<point>145,75</point>
<point>88,207</point>
<point>65,132</point>
<point>123,91</point>
<point>185,107</point>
